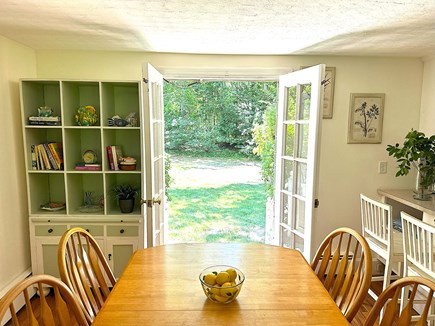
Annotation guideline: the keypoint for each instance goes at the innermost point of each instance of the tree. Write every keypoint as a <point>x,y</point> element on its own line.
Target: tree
<point>204,116</point>
<point>264,136</point>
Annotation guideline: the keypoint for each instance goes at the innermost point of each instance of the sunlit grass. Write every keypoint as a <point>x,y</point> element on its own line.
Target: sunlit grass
<point>232,213</point>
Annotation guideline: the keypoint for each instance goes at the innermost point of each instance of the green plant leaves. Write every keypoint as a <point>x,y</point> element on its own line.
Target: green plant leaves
<point>417,151</point>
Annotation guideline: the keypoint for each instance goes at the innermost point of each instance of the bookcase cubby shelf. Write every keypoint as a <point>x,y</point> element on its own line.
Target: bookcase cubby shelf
<point>68,185</point>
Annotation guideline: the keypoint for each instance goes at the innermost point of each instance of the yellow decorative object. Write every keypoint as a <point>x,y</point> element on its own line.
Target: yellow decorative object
<point>86,116</point>
<point>221,283</point>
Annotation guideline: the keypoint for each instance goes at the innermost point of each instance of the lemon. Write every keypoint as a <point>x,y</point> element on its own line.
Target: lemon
<point>233,274</point>
<point>222,277</point>
<point>220,298</point>
<point>227,290</point>
<point>209,279</point>
<point>215,291</point>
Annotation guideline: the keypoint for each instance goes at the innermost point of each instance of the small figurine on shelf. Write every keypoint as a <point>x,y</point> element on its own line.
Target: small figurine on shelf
<point>45,111</point>
<point>131,119</point>
<point>88,203</point>
<point>88,198</point>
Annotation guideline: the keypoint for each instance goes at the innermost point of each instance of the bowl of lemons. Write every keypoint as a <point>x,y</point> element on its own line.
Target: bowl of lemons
<point>221,283</point>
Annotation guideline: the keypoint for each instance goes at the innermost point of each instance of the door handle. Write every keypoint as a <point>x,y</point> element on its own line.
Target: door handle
<point>151,202</point>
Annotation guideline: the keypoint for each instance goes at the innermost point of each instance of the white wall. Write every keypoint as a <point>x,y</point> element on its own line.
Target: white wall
<point>16,61</point>
<point>346,169</point>
<point>427,118</point>
<point>350,169</point>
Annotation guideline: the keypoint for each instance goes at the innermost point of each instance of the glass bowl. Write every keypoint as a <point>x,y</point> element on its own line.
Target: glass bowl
<point>221,283</point>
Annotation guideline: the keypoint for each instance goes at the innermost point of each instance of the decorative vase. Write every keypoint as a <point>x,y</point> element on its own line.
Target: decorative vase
<point>126,205</point>
<point>86,116</point>
<point>422,192</point>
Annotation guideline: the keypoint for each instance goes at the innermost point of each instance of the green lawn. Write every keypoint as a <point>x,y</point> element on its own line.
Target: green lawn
<point>231,213</point>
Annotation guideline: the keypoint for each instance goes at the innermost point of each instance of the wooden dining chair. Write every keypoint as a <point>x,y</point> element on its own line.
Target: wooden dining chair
<point>384,241</point>
<point>343,263</point>
<point>419,241</point>
<point>63,310</point>
<point>83,267</point>
<point>388,301</point>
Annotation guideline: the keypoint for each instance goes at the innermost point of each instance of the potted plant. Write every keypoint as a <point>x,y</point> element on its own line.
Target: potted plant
<point>417,151</point>
<point>126,194</point>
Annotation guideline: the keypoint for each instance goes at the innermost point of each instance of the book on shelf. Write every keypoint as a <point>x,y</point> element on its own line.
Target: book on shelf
<point>38,159</point>
<point>44,123</point>
<point>46,156</point>
<point>33,157</point>
<point>46,119</point>
<point>117,154</point>
<point>35,150</point>
<point>45,160</point>
<point>88,167</point>
<point>53,163</point>
<point>110,157</point>
<point>56,151</point>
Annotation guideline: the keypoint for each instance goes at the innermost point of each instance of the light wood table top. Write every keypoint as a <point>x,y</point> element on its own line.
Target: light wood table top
<point>405,197</point>
<point>160,286</point>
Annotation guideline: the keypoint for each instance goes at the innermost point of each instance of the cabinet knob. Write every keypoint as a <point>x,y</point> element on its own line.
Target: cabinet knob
<point>50,230</point>
<point>87,230</point>
<point>110,256</point>
<point>121,231</point>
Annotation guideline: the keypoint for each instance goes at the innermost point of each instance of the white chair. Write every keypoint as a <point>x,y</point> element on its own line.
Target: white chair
<point>418,246</point>
<point>384,241</point>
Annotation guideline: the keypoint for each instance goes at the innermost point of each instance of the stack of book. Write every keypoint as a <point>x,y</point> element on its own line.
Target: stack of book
<point>114,155</point>
<point>45,121</point>
<point>88,167</point>
<point>47,156</point>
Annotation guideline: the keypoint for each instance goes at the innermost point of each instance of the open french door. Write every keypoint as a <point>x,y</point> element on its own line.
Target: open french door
<point>154,183</point>
<point>298,129</point>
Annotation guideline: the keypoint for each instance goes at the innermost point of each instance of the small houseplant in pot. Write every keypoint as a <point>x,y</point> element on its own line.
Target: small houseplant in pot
<point>417,151</point>
<point>126,193</point>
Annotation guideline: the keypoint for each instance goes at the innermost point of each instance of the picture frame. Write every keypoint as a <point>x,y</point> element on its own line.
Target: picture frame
<point>366,114</point>
<point>328,92</point>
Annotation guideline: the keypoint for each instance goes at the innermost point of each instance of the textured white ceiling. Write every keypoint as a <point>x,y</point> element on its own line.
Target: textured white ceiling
<point>338,27</point>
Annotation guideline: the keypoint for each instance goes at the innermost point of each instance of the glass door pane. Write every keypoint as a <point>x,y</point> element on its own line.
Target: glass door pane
<point>297,124</point>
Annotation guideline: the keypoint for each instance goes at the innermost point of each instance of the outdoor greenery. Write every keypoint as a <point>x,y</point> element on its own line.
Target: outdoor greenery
<point>264,136</point>
<point>206,116</point>
<point>229,121</point>
<point>233,213</point>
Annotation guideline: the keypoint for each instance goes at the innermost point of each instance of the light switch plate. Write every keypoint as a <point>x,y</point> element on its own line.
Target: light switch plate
<point>382,168</point>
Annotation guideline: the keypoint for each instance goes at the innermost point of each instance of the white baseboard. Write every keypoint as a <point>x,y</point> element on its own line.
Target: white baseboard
<point>20,300</point>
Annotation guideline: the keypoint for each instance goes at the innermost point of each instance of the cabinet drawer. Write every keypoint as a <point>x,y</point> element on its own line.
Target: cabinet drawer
<point>95,230</point>
<point>50,230</point>
<point>122,231</point>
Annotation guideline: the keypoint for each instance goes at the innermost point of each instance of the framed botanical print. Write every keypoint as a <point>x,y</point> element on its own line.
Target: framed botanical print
<point>365,118</point>
<point>328,92</point>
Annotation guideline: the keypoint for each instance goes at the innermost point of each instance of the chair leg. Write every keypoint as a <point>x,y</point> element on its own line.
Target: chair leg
<point>387,274</point>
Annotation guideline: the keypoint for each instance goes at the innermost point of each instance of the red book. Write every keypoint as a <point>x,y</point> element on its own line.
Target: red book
<point>110,157</point>
<point>87,168</point>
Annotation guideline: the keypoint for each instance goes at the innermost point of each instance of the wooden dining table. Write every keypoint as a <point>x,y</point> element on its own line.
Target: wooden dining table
<point>160,286</point>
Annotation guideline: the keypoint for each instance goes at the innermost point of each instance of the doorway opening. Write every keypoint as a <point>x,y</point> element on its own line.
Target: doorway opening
<point>219,172</point>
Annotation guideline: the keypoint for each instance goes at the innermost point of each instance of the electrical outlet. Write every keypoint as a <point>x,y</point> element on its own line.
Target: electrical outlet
<point>382,168</point>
